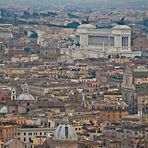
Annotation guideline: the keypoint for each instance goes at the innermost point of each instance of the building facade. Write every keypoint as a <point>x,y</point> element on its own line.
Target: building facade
<point>134,89</point>
<point>27,134</point>
<point>117,38</point>
<point>91,42</point>
<point>7,132</point>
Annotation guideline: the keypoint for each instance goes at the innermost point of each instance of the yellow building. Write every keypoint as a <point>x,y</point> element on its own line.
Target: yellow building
<point>110,110</point>
<point>38,141</point>
<point>1,144</point>
<point>16,119</point>
<point>7,132</point>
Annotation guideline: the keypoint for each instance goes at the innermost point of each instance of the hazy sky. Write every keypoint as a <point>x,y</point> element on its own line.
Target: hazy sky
<point>43,3</point>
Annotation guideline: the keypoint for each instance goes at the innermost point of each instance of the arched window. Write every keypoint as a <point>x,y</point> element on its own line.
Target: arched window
<point>66,132</point>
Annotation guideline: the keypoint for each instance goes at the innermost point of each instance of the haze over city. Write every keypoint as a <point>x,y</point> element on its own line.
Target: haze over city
<point>60,3</point>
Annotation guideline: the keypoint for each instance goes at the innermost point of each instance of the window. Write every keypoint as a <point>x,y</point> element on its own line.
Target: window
<point>13,97</point>
<point>49,124</point>
<point>24,139</point>
<point>66,132</point>
<point>124,41</point>
<point>40,133</point>
<point>29,134</point>
<point>77,40</point>
<point>112,41</point>
<point>18,133</point>
<point>99,40</point>
<point>24,133</point>
<point>30,139</point>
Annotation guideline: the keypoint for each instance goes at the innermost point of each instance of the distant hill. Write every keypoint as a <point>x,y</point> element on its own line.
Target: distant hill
<point>39,4</point>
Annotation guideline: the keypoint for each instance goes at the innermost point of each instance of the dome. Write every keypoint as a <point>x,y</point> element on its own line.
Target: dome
<point>25,97</point>
<point>4,110</point>
<point>86,26</point>
<point>65,132</point>
<point>121,27</point>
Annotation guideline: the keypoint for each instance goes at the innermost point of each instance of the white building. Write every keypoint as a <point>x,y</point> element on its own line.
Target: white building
<point>92,42</point>
<point>26,135</point>
<point>30,58</point>
<point>40,39</point>
<point>15,59</point>
<point>34,57</point>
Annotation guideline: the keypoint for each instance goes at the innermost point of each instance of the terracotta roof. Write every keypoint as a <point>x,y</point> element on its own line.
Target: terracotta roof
<point>51,104</point>
<point>140,74</point>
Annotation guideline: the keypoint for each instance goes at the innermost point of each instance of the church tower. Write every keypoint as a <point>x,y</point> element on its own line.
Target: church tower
<point>128,77</point>
<point>128,91</point>
<point>13,94</point>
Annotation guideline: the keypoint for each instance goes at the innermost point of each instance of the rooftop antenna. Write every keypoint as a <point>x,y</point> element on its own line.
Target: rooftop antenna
<point>83,101</point>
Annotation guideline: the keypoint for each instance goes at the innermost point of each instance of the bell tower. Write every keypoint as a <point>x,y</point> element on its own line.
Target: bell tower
<point>128,91</point>
<point>13,94</point>
<point>128,77</point>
